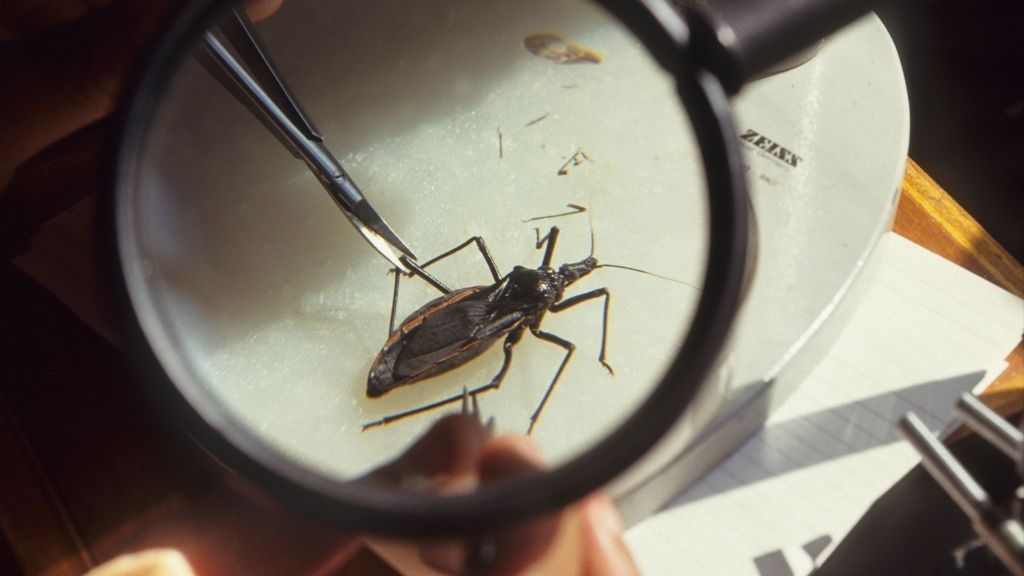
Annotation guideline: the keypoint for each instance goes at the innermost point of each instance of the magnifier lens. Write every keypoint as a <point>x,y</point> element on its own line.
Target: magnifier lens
<point>499,120</point>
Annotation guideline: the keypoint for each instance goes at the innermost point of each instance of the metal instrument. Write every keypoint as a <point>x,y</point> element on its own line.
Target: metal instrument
<point>260,86</point>
<point>1002,533</point>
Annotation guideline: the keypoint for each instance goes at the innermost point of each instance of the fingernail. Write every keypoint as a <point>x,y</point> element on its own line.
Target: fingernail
<point>604,515</point>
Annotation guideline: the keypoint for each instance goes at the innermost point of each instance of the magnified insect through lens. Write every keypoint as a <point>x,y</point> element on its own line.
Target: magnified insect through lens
<point>458,326</point>
<point>453,128</point>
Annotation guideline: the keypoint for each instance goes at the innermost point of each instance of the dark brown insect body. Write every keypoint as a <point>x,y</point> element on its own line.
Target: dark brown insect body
<point>462,324</point>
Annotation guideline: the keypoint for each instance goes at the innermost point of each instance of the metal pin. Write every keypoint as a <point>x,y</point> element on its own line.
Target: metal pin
<point>470,405</point>
<point>992,427</point>
<point>488,424</point>
<point>1004,536</point>
<point>265,92</point>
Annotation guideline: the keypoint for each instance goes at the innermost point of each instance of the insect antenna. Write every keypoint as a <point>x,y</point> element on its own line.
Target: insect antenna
<point>590,219</point>
<point>590,213</point>
<point>591,237</point>
<point>676,280</point>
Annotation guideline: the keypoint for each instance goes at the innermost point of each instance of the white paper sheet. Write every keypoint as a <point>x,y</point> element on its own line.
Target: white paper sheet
<point>926,331</point>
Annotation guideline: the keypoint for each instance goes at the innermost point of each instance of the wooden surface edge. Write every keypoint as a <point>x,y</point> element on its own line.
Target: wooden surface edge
<point>928,216</point>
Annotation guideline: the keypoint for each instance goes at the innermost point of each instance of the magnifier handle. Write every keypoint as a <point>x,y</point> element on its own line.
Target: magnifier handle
<point>739,40</point>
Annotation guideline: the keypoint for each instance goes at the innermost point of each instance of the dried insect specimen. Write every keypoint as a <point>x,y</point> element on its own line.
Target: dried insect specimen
<point>574,209</point>
<point>536,120</point>
<point>578,158</point>
<point>553,47</point>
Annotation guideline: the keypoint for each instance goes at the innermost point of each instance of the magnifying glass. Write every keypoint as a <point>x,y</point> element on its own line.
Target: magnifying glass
<point>567,174</point>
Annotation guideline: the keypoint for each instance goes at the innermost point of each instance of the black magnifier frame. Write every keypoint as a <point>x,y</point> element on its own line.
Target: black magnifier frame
<point>358,507</point>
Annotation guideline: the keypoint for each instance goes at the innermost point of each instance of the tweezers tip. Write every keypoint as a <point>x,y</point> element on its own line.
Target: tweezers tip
<point>375,222</point>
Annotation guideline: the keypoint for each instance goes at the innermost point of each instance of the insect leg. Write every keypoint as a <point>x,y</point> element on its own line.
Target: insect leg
<point>494,384</point>
<point>398,277</point>
<point>548,239</point>
<point>570,302</point>
<point>419,269</point>
<point>484,251</point>
<point>569,349</point>
<point>394,301</point>
<point>575,209</point>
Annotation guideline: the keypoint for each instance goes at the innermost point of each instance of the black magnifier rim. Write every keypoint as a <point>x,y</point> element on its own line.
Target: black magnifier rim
<point>358,507</point>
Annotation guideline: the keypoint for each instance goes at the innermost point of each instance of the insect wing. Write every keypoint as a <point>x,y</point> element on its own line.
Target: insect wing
<point>425,312</point>
<point>443,334</point>
<point>447,332</point>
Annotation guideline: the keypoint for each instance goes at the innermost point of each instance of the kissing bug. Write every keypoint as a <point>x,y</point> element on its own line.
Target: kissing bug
<point>458,326</point>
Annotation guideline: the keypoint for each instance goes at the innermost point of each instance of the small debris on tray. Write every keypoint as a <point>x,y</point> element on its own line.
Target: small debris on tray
<point>553,47</point>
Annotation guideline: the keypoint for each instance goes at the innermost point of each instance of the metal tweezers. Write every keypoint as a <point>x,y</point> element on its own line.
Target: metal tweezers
<point>259,85</point>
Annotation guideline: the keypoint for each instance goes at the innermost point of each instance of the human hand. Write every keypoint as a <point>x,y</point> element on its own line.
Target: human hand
<point>65,63</point>
<point>584,539</point>
<point>227,532</point>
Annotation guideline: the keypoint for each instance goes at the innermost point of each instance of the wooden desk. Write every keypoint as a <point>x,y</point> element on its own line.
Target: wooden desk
<point>77,482</point>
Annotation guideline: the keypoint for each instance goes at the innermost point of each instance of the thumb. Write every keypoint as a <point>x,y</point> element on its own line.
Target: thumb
<point>548,545</point>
